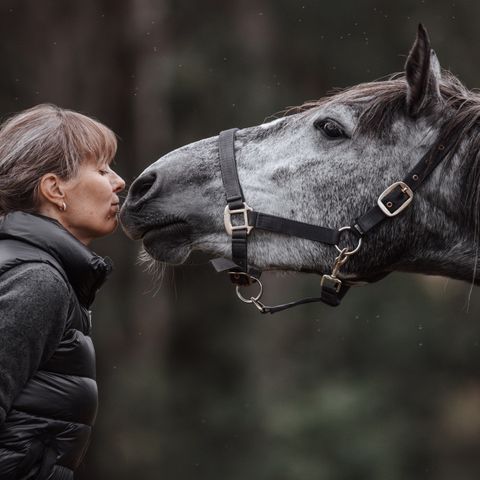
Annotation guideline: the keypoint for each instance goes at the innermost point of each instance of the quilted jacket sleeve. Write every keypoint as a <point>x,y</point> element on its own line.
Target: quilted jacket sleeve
<point>34,302</point>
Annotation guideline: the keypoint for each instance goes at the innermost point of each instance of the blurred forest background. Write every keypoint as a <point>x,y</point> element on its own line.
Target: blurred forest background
<point>194,384</point>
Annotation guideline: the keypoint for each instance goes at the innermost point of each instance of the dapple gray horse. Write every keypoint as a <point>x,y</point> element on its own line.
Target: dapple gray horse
<point>326,164</point>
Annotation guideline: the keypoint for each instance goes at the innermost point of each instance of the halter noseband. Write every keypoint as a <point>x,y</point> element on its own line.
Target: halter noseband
<point>390,203</point>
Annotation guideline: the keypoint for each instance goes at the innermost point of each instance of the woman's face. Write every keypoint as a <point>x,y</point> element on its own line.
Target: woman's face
<point>92,202</point>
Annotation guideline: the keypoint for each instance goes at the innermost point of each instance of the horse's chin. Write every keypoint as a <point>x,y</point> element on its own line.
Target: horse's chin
<point>172,256</point>
<point>165,250</point>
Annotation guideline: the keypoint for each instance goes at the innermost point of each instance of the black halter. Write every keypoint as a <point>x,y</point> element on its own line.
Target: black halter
<point>390,203</point>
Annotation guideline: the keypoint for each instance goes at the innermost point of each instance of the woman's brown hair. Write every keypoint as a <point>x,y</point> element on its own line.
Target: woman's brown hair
<point>46,139</point>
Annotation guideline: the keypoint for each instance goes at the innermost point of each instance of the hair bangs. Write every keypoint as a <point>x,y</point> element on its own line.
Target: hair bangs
<point>88,139</point>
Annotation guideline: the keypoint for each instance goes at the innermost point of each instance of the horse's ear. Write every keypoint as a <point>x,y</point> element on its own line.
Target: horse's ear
<point>423,73</point>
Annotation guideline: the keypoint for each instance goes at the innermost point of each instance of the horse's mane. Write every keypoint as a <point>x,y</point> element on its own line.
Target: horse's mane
<point>458,116</point>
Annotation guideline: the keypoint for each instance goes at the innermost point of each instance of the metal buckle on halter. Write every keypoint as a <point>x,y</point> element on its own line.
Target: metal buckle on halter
<point>227,219</point>
<point>406,190</point>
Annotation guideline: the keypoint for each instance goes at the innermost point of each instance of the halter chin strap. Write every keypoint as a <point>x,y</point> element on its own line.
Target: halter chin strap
<point>240,220</point>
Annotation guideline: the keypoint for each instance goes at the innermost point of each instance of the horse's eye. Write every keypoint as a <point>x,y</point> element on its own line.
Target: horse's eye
<point>330,128</point>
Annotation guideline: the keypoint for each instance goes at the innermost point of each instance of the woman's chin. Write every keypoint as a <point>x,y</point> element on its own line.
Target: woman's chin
<point>111,224</point>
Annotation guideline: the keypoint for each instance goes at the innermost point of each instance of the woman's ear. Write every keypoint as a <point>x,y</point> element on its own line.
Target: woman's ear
<point>51,191</point>
<point>423,74</point>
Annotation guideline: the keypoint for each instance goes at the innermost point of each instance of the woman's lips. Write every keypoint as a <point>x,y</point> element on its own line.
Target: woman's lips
<point>115,209</point>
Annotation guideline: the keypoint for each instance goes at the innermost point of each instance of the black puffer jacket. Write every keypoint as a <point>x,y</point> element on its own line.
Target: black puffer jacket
<point>48,393</point>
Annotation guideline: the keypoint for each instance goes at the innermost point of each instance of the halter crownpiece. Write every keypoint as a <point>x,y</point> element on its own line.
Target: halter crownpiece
<point>392,201</point>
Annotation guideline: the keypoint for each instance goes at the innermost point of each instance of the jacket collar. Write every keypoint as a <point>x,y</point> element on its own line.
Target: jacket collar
<point>85,270</point>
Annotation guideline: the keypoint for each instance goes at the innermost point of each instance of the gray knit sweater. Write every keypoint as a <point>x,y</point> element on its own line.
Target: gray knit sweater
<point>34,301</point>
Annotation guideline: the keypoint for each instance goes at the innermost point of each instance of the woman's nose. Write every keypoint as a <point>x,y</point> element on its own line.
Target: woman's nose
<point>119,183</point>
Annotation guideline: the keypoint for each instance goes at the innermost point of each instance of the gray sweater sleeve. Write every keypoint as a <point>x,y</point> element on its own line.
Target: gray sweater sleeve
<point>34,302</point>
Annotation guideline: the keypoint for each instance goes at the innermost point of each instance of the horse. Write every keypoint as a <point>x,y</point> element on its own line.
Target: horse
<point>326,165</point>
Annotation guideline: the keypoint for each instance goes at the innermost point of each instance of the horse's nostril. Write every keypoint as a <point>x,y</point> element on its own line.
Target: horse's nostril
<point>142,186</point>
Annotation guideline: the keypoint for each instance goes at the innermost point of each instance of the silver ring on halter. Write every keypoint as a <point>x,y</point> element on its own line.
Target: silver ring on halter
<point>349,252</point>
<point>251,299</point>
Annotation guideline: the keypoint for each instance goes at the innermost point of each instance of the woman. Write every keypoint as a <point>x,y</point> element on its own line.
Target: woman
<point>57,194</point>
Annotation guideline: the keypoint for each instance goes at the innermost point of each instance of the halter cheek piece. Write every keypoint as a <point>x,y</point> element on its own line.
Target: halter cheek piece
<point>390,203</point>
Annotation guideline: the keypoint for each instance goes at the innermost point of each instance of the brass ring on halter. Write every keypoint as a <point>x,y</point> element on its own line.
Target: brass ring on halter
<point>349,252</point>
<point>251,299</point>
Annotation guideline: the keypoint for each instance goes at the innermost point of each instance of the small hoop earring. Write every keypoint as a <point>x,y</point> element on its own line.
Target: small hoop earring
<point>62,207</point>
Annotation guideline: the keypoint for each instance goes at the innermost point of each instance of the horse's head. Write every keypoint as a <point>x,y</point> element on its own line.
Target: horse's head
<point>327,165</point>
